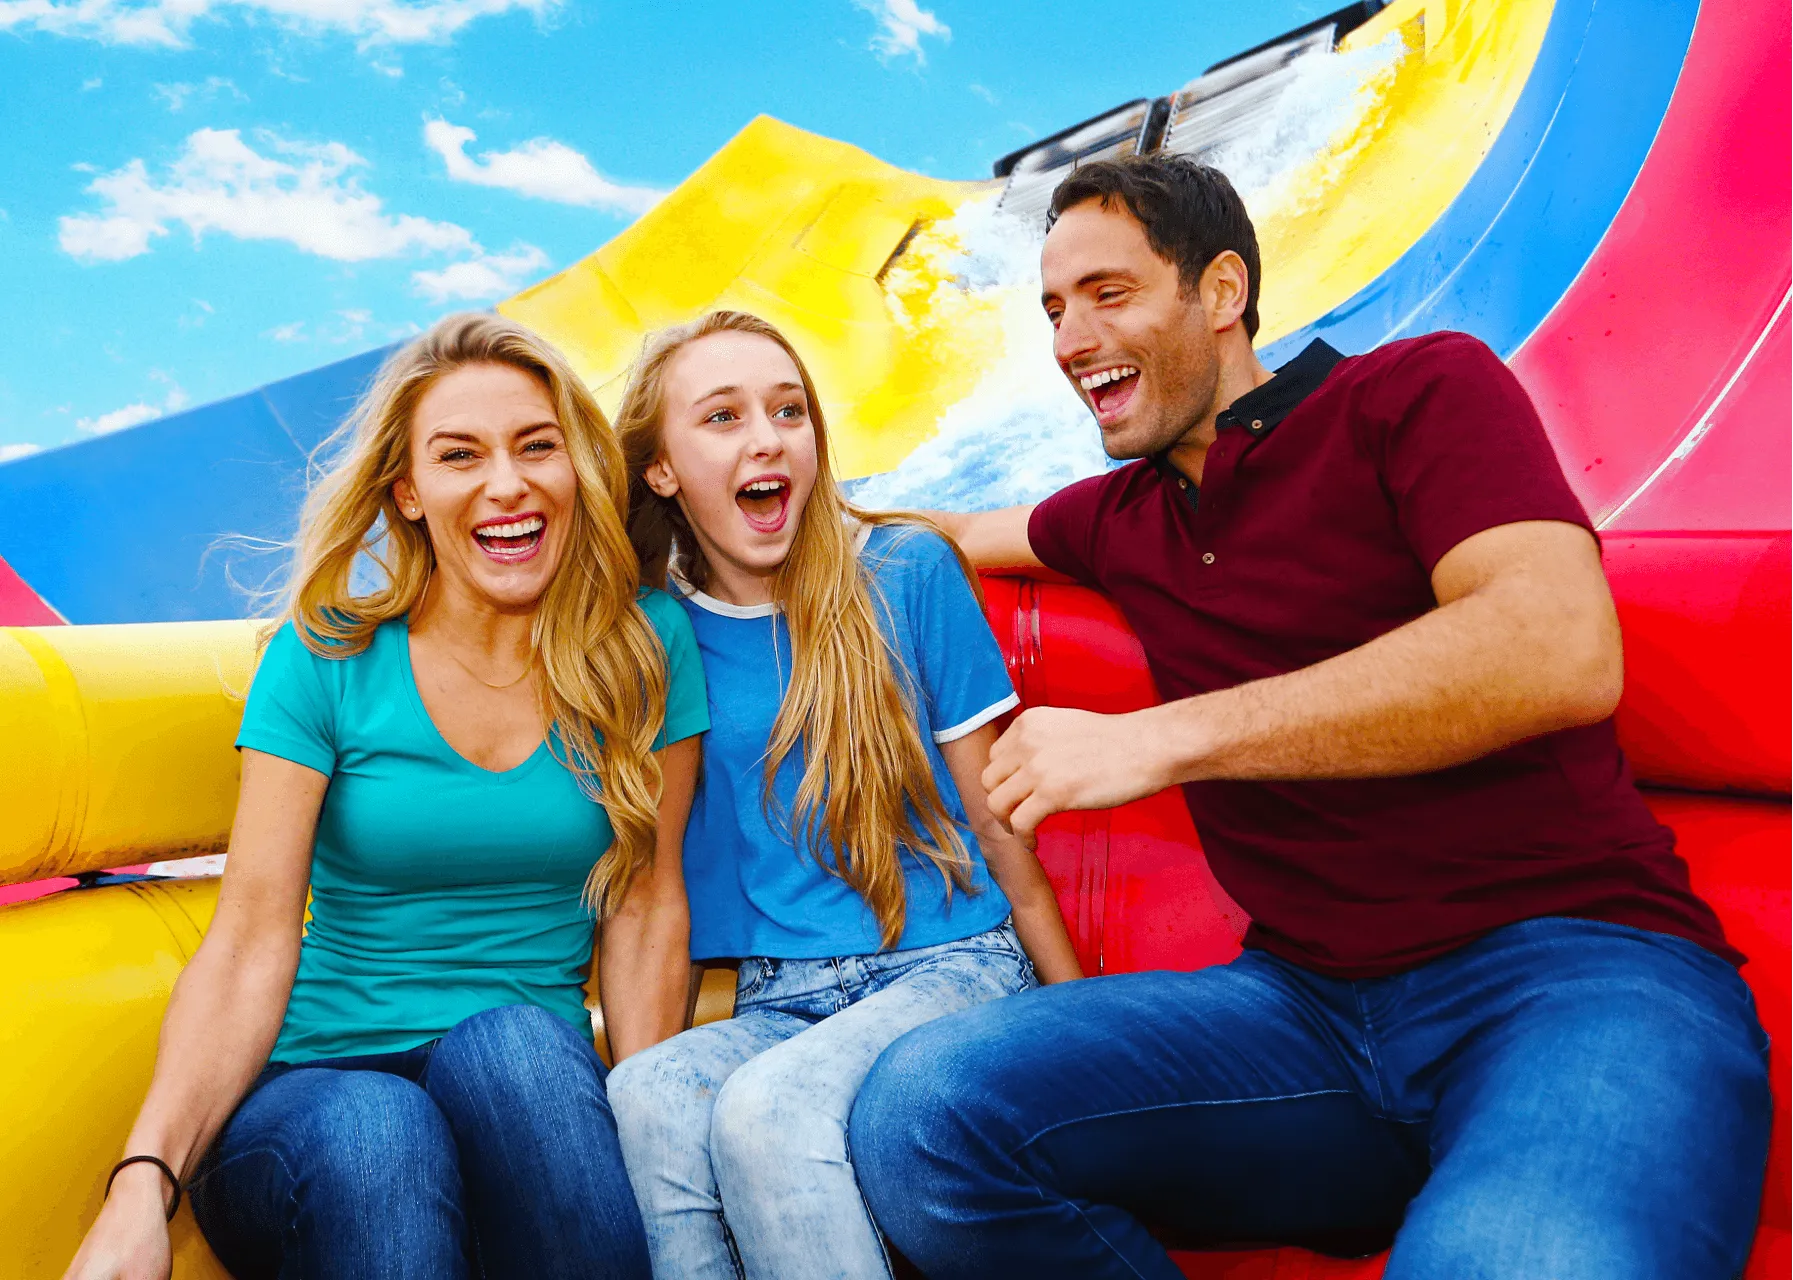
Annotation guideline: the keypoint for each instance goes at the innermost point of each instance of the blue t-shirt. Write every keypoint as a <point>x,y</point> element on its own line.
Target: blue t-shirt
<point>753,893</point>
<point>438,889</point>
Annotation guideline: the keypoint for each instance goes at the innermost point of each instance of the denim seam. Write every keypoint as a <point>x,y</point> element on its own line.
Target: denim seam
<point>1369,1051</point>
<point>1096,1231</point>
<point>1172,1106</point>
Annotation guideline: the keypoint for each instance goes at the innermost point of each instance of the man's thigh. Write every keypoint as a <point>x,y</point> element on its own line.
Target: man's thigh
<point>1222,1105</point>
<point>1609,1116</point>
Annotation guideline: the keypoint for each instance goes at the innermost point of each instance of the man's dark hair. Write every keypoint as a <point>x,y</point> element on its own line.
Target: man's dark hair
<point>1190,213</point>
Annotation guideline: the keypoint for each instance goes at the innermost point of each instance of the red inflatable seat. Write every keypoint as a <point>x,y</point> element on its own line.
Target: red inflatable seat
<point>1137,893</point>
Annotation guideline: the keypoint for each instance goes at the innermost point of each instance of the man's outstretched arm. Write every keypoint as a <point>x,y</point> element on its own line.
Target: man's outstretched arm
<point>1524,641</point>
<point>991,539</point>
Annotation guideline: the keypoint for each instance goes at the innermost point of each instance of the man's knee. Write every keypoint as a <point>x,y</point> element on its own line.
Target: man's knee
<point>928,1100</point>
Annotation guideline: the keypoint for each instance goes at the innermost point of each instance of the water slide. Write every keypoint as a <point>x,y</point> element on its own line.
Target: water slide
<point>1597,190</point>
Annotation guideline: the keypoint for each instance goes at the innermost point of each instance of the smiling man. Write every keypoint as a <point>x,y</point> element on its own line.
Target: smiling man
<point>1479,1010</point>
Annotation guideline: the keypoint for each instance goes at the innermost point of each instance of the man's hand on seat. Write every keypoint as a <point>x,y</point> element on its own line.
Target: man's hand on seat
<point>1053,759</point>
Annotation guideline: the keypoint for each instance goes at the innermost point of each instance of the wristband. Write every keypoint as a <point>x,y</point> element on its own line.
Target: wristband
<point>161,1164</point>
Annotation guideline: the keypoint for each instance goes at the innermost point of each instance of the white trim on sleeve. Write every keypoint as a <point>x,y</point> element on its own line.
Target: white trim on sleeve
<point>977,721</point>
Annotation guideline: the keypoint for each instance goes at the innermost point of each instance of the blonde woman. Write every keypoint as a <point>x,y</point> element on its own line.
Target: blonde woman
<point>839,843</point>
<point>458,763</point>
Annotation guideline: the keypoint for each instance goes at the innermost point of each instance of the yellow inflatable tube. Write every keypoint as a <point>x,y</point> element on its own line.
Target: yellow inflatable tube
<point>84,978</point>
<point>117,747</point>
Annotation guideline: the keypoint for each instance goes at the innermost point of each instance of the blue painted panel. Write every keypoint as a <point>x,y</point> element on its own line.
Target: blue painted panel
<point>1509,246</point>
<point>138,526</point>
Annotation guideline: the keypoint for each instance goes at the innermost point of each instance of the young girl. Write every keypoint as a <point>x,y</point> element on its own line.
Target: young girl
<point>853,688</point>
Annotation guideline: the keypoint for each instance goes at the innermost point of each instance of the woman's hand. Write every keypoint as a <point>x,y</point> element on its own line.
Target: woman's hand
<point>129,1239</point>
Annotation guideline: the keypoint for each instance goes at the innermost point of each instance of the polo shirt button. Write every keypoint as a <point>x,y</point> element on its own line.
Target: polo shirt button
<point>1257,424</point>
<point>1207,557</point>
<point>1183,483</point>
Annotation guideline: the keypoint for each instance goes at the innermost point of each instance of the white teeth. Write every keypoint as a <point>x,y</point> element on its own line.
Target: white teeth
<point>1089,382</point>
<point>515,529</point>
<point>763,486</point>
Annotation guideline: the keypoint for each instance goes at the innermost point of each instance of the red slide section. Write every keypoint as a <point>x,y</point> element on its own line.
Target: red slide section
<point>1651,348</point>
<point>1134,886</point>
<point>20,606</point>
<point>1663,378</point>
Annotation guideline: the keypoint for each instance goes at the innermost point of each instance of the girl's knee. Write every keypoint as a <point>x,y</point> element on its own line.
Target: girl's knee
<point>661,1096</point>
<point>765,1118</point>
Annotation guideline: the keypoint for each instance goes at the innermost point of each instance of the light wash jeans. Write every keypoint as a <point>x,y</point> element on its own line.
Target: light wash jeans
<point>735,1133</point>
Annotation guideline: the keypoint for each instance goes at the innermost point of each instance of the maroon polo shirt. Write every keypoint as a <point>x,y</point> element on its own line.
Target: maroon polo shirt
<point>1327,497</point>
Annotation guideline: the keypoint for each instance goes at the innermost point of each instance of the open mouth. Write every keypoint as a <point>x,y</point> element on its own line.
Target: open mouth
<point>765,502</point>
<point>1110,389</point>
<point>511,539</point>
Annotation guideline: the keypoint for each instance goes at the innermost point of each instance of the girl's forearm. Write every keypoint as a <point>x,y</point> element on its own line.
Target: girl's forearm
<point>1034,906</point>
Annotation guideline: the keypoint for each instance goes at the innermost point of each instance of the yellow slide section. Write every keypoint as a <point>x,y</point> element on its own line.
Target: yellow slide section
<point>801,230</point>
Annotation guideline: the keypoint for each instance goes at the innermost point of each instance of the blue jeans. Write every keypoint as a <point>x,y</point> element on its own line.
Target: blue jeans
<point>1562,1099</point>
<point>489,1152</point>
<point>735,1133</point>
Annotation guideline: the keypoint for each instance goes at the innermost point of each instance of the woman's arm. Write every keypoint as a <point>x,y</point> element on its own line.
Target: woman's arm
<point>644,962</point>
<point>222,1018</point>
<point>1012,863</point>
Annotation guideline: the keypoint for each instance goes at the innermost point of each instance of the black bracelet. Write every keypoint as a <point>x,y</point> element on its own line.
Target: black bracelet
<point>160,1164</point>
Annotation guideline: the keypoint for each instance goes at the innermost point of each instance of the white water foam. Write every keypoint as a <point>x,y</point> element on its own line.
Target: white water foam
<point>1023,433</point>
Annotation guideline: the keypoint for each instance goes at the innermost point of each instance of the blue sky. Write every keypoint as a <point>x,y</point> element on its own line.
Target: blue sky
<point>200,196</point>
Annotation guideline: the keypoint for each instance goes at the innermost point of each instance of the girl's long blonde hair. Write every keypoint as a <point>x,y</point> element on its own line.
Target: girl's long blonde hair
<point>604,685</point>
<point>867,792</point>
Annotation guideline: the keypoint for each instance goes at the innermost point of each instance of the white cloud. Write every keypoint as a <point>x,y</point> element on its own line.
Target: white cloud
<point>901,26</point>
<point>177,95</point>
<point>487,276</point>
<point>302,193</point>
<point>142,411</point>
<point>294,332</point>
<point>119,419</point>
<point>168,23</point>
<point>91,83</point>
<point>540,168</point>
<point>10,451</point>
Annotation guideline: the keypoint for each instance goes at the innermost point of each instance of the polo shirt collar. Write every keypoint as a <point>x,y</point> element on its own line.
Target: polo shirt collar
<point>1262,408</point>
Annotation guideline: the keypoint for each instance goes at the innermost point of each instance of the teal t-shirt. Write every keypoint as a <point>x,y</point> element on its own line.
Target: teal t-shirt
<point>438,889</point>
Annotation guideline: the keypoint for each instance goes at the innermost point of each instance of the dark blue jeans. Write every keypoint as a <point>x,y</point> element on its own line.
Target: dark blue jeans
<point>1562,1099</point>
<point>489,1152</point>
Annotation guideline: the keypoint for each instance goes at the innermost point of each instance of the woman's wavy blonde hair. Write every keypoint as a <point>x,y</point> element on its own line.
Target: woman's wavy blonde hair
<point>604,690</point>
<point>867,793</point>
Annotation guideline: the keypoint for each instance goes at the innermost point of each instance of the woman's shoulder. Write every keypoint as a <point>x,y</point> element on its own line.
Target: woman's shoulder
<point>666,613</point>
<point>291,652</point>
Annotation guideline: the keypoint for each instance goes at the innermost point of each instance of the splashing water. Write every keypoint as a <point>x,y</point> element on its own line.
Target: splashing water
<point>1023,433</point>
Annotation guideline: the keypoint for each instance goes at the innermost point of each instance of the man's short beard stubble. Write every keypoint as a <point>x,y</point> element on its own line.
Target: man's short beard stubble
<point>1187,371</point>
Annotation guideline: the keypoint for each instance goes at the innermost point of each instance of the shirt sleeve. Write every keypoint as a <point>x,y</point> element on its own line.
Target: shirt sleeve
<point>1065,531</point>
<point>291,712</point>
<point>687,697</point>
<point>1463,449</point>
<point>962,673</point>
